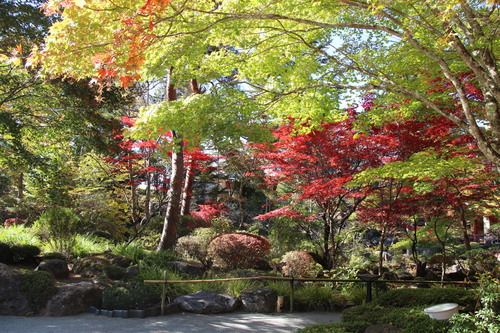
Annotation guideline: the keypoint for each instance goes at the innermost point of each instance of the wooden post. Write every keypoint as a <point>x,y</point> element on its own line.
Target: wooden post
<point>164,293</point>
<point>292,290</point>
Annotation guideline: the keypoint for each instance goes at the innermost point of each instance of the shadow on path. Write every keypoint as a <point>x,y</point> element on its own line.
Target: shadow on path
<point>174,323</point>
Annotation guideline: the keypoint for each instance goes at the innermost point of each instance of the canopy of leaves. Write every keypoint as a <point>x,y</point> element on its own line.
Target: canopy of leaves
<point>297,57</point>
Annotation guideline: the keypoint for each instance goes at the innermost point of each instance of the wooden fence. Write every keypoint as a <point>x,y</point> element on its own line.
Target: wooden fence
<point>367,279</point>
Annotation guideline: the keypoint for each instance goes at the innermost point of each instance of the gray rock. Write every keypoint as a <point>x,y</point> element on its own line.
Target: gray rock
<point>260,300</point>
<point>73,299</point>
<point>207,302</point>
<point>58,267</point>
<point>12,301</point>
<point>131,272</point>
<point>191,268</point>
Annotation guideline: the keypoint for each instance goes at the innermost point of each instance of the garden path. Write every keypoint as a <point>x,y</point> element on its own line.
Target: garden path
<point>173,323</point>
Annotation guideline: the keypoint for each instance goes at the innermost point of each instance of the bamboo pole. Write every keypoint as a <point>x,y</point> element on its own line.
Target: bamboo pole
<point>164,293</point>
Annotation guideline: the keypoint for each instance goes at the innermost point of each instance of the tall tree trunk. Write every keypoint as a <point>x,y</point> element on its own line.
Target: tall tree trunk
<point>241,206</point>
<point>326,242</point>
<point>168,236</point>
<point>383,236</point>
<point>187,190</point>
<point>20,186</point>
<point>465,229</point>
<point>147,202</point>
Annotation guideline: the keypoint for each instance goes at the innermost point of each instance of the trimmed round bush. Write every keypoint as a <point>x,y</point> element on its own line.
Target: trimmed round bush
<point>24,252</point>
<point>422,297</point>
<point>195,245</point>
<point>300,264</point>
<point>238,250</point>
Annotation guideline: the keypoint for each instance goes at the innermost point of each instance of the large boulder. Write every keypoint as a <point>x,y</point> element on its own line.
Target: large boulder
<point>12,301</point>
<point>73,299</point>
<point>191,268</point>
<point>260,300</point>
<point>93,265</point>
<point>207,302</point>
<point>58,267</point>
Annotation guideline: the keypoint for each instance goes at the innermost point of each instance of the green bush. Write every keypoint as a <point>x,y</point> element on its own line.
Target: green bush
<point>24,252</point>
<point>366,313</point>
<point>485,320</point>
<point>195,245</point>
<point>314,294</point>
<point>38,287</point>
<point>413,320</point>
<point>124,296</point>
<point>431,296</point>
<point>58,227</point>
<point>483,261</point>
<point>342,327</point>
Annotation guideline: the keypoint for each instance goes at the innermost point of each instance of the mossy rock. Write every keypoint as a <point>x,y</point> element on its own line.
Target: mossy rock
<point>38,287</point>
<point>115,272</point>
<point>96,264</point>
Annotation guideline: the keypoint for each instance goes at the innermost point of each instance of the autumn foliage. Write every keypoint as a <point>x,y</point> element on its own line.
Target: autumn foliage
<point>238,250</point>
<point>300,264</point>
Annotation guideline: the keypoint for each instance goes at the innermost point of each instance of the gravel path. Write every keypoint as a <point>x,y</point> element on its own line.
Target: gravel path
<point>173,323</point>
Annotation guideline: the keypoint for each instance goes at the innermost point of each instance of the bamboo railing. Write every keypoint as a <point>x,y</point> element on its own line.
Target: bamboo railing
<point>292,281</point>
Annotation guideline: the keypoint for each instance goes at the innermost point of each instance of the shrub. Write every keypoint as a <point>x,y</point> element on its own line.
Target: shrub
<point>485,320</point>
<point>38,287</point>
<point>195,246</point>
<point>124,296</point>
<point>24,252</point>
<point>238,250</point>
<point>300,264</point>
<point>413,320</point>
<point>422,297</point>
<point>58,226</point>
<point>342,327</point>
<point>483,261</point>
<point>19,234</point>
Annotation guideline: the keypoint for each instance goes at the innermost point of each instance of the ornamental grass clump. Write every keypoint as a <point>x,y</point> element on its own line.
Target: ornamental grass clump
<point>300,264</point>
<point>238,250</point>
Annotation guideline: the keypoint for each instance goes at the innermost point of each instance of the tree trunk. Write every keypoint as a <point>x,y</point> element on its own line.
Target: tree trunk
<point>381,250</point>
<point>187,190</point>
<point>20,186</point>
<point>168,236</point>
<point>465,230</point>
<point>326,242</point>
<point>147,202</point>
